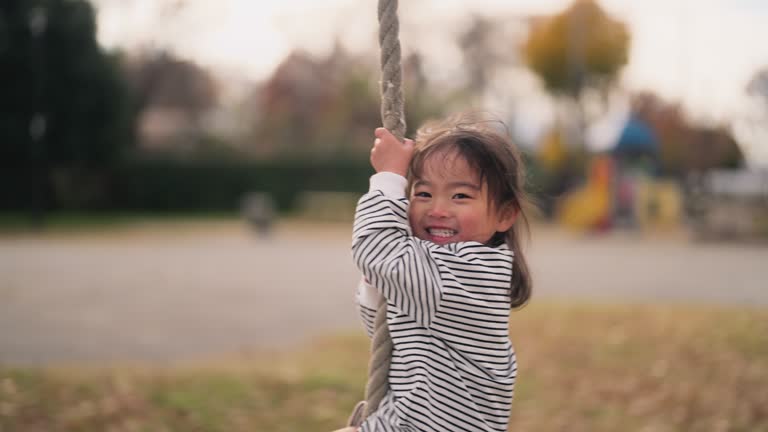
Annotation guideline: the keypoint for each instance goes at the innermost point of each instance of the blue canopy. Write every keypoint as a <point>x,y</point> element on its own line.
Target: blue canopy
<point>636,138</point>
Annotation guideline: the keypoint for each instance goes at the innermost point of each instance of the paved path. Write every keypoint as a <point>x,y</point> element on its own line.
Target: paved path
<point>161,294</point>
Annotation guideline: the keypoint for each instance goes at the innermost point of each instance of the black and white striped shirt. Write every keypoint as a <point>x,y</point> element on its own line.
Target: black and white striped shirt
<point>453,366</point>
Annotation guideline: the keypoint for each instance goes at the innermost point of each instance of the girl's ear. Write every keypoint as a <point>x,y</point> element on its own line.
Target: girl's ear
<point>507,218</point>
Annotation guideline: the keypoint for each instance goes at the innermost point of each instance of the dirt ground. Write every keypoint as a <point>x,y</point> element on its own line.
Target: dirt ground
<point>168,292</point>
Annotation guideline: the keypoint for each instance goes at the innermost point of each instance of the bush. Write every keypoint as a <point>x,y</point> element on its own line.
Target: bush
<point>216,185</point>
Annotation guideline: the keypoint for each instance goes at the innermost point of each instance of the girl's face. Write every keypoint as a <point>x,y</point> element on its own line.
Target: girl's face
<point>449,204</point>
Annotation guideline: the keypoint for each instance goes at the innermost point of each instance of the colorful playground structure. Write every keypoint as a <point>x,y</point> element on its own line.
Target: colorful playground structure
<point>623,189</point>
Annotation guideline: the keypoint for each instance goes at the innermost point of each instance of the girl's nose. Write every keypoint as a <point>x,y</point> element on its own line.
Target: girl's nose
<point>439,209</point>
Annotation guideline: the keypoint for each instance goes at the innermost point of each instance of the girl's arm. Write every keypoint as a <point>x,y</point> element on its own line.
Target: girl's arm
<point>397,264</point>
<point>382,245</point>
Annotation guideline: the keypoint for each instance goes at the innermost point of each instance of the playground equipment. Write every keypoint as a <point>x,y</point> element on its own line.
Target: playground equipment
<point>623,189</point>
<point>589,206</point>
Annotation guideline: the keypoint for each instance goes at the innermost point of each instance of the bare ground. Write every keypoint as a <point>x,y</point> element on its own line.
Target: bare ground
<point>164,292</point>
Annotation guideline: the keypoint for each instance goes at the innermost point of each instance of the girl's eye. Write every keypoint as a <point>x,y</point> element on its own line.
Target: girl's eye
<point>422,194</point>
<point>461,196</point>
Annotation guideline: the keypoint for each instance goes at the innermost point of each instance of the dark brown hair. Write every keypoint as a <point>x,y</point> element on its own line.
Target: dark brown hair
<point>499,164</point>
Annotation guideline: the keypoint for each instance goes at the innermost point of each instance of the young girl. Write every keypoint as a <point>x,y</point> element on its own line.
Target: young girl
<point>448,261</point>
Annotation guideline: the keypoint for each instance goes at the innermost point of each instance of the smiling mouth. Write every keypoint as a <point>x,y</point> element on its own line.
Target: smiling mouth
<point>441,232</point>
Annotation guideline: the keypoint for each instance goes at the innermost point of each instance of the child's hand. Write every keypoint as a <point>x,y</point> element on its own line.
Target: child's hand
<point>389,154</point>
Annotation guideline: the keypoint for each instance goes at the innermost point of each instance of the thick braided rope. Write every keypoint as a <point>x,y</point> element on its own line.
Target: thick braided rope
<point>393,119</point>
<point>392,111</point>
<point>378,366</point>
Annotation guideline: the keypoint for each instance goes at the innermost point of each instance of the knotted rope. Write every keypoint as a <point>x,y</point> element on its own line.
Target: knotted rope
<point>393,119</point>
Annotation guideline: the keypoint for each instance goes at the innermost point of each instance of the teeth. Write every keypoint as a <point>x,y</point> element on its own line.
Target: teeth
<point>439,232</point>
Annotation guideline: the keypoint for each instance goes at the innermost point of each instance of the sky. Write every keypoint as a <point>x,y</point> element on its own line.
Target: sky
<point>701,53</point>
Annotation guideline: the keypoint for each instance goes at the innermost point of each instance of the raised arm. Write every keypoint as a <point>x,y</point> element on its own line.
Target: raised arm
<point>383,247</point>
<point>397,264</point>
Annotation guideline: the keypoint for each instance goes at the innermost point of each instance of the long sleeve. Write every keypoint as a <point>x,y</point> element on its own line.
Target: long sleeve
<point>394,262</point>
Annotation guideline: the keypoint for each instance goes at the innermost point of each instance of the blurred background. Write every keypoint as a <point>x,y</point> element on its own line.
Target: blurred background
<point>179,176</point>
<point>632,116</point>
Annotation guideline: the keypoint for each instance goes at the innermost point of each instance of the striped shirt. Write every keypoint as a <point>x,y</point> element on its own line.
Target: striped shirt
<point>453,366</point>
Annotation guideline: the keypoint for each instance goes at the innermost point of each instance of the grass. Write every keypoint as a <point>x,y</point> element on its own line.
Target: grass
<point>582,368</point>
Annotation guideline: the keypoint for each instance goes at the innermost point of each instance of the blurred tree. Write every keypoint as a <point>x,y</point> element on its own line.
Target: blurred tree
<point>577,52</point>
<point>478,44</point>
<point>581,47</point>
<point>65,105</point>
<point>172,95</point>
<point>159,79</point>
<point>686,147</point>
<point>487,57</point>
<point>328,107</point>
<point>752,127</point>
<point>294,100</point>
<point>422,102</point>
<point>713,147</point>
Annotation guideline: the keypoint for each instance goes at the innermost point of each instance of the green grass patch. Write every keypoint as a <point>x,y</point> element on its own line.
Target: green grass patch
<point>582,368</point>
